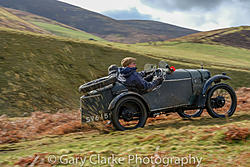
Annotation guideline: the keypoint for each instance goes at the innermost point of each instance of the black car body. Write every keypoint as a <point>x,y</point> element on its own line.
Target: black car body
<point>181,90</point>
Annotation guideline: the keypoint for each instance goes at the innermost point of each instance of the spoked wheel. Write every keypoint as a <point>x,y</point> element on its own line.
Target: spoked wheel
<point>189,113</point>
<point>221,101</point>
<point>129,113</point>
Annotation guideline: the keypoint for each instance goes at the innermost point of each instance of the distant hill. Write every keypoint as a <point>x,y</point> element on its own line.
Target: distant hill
<point>157,28</point>
<point>100,25</point>
<point>234,36</point>
<point>25,21</point>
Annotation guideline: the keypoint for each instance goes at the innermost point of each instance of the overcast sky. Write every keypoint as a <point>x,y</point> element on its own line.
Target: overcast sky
<point>201,15</point>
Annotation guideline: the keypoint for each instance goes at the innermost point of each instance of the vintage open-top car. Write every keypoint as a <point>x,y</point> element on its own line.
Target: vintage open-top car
<point>185,91</point>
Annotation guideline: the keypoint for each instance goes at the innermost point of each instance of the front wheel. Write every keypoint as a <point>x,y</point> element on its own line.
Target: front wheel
<point>221,101</point>
<point>129,113</point>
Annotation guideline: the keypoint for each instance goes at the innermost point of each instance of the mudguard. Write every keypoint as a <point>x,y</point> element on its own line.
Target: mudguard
<point>215,79</point>
<point>117,98</point>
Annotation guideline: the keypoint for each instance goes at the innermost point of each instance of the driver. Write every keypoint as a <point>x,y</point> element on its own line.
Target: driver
<point>137,81</point>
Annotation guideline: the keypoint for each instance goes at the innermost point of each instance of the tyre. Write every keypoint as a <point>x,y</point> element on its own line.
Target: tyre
<point>129,113</point>
<point>189,113</point>
<point>221,101</point>
<point>96,84</point>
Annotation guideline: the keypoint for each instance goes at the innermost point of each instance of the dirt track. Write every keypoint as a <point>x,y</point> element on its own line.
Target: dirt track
<point>41,124</point>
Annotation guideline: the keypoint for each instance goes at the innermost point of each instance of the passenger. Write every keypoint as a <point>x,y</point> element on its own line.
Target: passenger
<point>136,81</point>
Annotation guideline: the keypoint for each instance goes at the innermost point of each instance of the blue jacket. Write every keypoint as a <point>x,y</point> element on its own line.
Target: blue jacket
<point>130,78</point>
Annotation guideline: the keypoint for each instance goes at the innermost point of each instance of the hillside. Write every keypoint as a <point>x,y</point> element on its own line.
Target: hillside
<point>97,24</point>
<point>24,21</point>
<point>234,36</point>
<point>43,72</point>
<point>197,49</point>
<point>40,75</point>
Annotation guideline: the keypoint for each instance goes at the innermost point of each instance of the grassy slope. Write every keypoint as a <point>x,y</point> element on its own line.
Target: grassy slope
<point>217,58</point>
<point>44,72</point>
<point>41,72</point>
<point>195,53</point>
<point>201,137</point>
<point>181,51</point>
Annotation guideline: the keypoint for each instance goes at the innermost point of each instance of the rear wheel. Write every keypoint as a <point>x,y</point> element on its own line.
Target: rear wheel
<point>129,113</point>
<point>221,101</point>
<point>189,113</point>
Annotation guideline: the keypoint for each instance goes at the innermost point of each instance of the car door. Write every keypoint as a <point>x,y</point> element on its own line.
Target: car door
<point>175,90</point>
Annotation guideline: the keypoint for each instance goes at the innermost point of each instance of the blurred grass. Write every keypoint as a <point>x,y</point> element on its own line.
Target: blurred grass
<point>43,72</point>
<point>203,137</point>
<point>40,72</point>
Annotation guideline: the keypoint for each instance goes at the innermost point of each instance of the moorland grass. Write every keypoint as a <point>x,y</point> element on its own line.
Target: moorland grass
<point>43,72</point>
